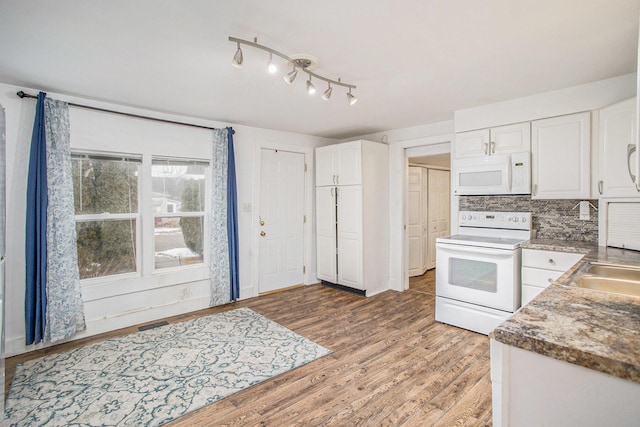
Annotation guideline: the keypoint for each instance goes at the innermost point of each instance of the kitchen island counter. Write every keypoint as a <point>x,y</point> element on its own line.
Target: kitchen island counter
<point>589,328</point>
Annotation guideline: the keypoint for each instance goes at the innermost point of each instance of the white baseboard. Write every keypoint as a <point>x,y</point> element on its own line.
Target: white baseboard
<point>16,345</point>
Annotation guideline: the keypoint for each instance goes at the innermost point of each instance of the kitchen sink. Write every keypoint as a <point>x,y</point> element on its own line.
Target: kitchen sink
<point>617,279</point>
<point>614,271</point>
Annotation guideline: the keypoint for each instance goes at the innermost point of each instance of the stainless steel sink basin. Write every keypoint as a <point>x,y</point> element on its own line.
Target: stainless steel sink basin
<point>617,279</point>
<point>614,271</point>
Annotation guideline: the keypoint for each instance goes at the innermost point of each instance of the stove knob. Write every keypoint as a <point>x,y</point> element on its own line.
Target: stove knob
<point>524,219</point>
<point>464,217</point>
<point>516,219</point>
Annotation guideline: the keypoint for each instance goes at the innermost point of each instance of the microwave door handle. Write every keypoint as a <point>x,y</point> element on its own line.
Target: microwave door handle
<point>509,173</point>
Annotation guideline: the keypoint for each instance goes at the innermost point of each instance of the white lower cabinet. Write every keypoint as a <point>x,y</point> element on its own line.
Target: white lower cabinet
<point>529,389</point>
<point>541,268</point>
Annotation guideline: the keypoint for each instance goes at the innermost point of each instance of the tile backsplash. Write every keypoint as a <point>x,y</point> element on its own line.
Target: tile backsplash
<point>552,219</point>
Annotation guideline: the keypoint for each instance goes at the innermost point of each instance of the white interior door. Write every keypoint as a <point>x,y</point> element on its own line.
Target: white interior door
<point>281,220</point>
<point>415,221</point>
<point>439,212</point>
<point>424,221</point>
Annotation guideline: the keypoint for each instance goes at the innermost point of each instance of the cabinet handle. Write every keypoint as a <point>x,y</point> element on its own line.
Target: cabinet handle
<point>600,183</point>
<point>334,179</point>
<point>332,192</point>
<point>486,149</point>
<point>551,261</point>
<point>535,189</point>
<point>337,179</point>
<point>493,147</point>
<point>550,280</point>
<point>630,150</point>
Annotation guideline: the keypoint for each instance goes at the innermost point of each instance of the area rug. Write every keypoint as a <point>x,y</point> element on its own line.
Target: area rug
<point>151,377</point>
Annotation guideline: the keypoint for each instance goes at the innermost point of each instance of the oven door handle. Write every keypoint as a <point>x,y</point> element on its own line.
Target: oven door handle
<point>475,250</point>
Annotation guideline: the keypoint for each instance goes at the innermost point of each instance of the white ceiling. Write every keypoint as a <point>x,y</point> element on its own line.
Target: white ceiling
<point>414,61</point>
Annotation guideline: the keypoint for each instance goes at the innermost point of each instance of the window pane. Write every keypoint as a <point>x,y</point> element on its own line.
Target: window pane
<point>106,247</point>
<point>178,241</point>
<point>101,186</point>
<point>177,186</point>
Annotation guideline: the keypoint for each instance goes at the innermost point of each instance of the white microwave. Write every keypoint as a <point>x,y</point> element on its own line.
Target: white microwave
<point>489,175</point>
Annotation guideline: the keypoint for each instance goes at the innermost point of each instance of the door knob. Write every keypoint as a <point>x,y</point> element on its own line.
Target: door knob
<point>262,233</point>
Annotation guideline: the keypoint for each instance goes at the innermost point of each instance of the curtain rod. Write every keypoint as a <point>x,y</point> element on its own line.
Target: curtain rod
<point>22,94</point>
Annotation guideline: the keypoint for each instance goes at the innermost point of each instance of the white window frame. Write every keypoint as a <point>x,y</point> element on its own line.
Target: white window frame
<point>204,214</point>
<point>112,217</point>
<point>146,277</point>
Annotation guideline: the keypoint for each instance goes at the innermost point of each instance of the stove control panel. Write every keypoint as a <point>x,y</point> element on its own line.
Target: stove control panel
<point>506,220</point>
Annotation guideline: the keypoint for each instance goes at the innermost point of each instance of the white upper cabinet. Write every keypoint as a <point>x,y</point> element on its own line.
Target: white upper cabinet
<point>499,140</point>
<point>339,164</point>
<point>617,136</point>
<point>561,157</point>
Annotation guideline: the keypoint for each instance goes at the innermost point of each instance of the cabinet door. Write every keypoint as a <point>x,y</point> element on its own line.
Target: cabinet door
<point>326,165</point>
<point>349,200</point>
<point>617,160</point>
<point>561,156</point>
<point>349,168</point>
<point>510,139</point>
<point>326,233</point>
<point>472,144</point>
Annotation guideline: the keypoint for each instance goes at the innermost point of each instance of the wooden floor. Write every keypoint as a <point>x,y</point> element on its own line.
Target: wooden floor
<point>392,364</point>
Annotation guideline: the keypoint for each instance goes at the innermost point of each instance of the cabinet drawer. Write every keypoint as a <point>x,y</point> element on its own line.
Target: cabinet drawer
<point>529,293</point>
<point>549,260</point>
<point>539,277</point>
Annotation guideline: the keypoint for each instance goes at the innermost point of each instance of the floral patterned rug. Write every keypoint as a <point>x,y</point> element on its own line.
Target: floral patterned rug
<point>154,376</point>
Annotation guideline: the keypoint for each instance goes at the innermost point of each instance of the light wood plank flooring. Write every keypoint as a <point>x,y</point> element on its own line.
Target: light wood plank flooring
<point>425,283</point>
<point>392,365</point>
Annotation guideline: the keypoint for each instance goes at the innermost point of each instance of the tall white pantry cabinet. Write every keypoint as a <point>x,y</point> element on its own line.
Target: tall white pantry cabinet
<point>352,215</point>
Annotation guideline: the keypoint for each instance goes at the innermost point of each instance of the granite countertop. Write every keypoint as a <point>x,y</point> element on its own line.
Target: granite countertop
<point>594,329</point>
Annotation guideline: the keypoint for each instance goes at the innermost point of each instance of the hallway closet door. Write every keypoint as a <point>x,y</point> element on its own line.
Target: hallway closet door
<point>417,201</point>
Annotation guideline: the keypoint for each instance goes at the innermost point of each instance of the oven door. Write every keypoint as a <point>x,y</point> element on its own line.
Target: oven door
<point>477,275</point>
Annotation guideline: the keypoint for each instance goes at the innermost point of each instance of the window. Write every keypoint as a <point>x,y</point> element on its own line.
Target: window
<point>179,211</point>
<point>106,208</point>
<point>137,215</point>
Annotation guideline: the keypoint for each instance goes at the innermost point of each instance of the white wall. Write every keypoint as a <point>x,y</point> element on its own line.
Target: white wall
<point>157,295</point>
<point>586,97</point>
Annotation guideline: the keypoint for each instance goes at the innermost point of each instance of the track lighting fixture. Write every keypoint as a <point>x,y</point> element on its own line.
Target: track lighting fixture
<point>271,66</point>
<point>352,99</point>
<point>237,58</point>
<point>327,93</point>
<point>298,62</point>
<point>311,89</point>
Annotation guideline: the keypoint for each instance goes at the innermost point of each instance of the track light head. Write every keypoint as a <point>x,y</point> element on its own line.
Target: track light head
<point>271,66</point>
<point>351,98</point>
<point>311,89</point>
<point>291,76</point>
<point>237,58</point>
<point>327,93</point>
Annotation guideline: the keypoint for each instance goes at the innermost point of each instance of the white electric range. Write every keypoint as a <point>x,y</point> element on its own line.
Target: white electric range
<point>478,270</point>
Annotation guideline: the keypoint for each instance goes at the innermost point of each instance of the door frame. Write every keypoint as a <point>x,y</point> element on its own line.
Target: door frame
<point>398,201</point>
<point>307,234</point>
